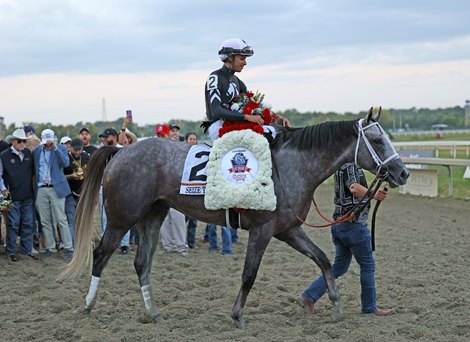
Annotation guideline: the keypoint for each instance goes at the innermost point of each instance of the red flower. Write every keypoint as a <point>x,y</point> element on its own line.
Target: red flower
<point>229,126</point>
<point>247,110</point>
<point>247,104</point>
<point>267,116</point>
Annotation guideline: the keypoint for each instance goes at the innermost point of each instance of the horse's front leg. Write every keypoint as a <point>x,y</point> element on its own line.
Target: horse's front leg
<point>258,240</point>
<point>148,238</point>
<point>297,239</point>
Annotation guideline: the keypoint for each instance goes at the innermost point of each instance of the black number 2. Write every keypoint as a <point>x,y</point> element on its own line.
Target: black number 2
<point>193,176</point>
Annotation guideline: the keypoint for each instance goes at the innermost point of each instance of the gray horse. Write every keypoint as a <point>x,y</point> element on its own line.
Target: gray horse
<point>142,182</point>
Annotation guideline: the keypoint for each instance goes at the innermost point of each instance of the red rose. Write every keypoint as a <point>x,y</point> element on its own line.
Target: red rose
<point>252,104</point>
<point>247,110</point>
<point>229,126</point>
<point>267,116</point>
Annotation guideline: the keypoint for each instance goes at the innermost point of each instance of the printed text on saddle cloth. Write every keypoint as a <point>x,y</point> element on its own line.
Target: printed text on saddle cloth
<point>238,166</point>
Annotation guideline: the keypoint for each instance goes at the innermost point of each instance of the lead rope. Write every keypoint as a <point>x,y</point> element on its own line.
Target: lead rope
<point>353,212</point>
<point>372,230</point>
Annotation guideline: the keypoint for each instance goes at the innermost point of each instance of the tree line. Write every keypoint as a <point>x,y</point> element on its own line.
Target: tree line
<point>391,119</point>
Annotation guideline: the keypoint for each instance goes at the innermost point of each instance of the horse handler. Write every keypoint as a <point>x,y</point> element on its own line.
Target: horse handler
<point>350,238</point>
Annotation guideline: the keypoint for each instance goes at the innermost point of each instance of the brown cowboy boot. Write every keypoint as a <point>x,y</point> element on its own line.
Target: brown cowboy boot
<point>308,306</point>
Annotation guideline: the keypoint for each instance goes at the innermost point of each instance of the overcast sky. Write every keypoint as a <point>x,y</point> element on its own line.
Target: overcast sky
<point>60,58</point>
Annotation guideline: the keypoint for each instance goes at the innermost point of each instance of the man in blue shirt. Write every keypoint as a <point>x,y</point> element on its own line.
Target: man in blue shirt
<point>50,160</point>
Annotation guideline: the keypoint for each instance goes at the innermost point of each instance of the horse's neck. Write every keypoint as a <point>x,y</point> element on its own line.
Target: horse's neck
<point>309,169</point>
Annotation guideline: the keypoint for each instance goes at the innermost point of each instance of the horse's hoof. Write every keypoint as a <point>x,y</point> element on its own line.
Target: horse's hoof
<point>157,318</point>
<point>240,323</point>
<point>337,314</point>
<point>81,311</point>
<point>154,319</point>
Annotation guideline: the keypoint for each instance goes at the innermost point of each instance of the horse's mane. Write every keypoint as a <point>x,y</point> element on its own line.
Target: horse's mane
<point>315,136</point>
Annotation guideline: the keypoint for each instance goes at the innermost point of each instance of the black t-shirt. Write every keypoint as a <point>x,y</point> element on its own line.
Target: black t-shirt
<point>90,149</point>
<point>74,166</point>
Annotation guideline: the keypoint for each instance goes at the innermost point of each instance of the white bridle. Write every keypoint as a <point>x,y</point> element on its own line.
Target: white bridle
<point>374,155</point>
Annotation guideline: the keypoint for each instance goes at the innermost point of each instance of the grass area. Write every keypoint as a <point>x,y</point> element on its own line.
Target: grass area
<point>457,136</point>
<point>461,186</point>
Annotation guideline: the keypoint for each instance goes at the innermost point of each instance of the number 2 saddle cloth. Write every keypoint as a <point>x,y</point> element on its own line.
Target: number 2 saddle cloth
<point>235,173</point>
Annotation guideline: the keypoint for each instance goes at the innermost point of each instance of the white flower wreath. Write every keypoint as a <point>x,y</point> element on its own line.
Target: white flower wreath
<point>257,194</point>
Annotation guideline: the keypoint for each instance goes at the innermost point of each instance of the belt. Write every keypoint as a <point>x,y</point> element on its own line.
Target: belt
<point>46,186</point>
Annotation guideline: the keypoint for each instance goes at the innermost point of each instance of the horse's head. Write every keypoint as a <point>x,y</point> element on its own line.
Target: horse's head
<point>375,152</point>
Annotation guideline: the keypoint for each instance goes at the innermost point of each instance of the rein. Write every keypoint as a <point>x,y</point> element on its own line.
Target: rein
<point>354,211</point>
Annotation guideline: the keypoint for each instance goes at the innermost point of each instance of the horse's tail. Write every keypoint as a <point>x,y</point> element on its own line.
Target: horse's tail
<point>85,212</point>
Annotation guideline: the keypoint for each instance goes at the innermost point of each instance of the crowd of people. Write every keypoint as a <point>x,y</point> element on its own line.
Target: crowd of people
<point>41,178</point>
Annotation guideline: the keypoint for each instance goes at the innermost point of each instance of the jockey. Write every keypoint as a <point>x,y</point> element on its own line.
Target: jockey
<point>223,86</point>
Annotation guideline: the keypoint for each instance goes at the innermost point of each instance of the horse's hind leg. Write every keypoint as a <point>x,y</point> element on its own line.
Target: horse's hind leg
<point>149,229</point>
<point>297,239</point>
<point>258,240</point>
<point>101,254</point>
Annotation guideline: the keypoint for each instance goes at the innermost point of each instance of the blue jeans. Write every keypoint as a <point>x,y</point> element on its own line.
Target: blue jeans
<point>70,208</point>
<point>350,239</point>
<point>234,234</point>
<point>191,231</point>
<point>20,215</point>
<point>226,239</point>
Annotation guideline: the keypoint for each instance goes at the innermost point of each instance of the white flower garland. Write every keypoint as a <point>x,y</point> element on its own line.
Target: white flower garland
<point>258,194</point>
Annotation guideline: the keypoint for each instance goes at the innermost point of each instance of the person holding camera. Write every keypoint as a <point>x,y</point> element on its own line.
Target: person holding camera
<point>50,159</point>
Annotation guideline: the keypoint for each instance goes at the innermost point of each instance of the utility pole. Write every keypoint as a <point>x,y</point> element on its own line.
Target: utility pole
<point>103,110</point>
<point>467,113</point>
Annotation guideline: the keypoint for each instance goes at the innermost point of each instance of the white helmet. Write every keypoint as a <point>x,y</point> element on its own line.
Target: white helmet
<point>234,46</point>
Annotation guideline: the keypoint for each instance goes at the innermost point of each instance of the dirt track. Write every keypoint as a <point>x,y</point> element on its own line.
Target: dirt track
<point>423,258</point>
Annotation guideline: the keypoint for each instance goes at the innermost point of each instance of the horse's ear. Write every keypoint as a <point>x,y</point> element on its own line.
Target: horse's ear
<point>378,114</point>
<point>369,115</point>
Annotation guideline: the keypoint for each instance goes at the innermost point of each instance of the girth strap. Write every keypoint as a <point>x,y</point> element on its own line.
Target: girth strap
<point>232,219</point>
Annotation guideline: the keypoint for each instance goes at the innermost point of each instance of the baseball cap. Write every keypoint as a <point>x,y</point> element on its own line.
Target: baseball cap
<point>65,139</point>
<point>29,129</point>
<point>46,135</point>
<point>76,143</point>
<point>162,129</point>
<point>173,125</point>
<point>107,132</point>
<point>84,129</point>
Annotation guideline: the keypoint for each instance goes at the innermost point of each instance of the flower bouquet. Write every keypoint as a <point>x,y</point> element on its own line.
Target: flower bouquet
<point>252,104</point>
<point>5,205</point>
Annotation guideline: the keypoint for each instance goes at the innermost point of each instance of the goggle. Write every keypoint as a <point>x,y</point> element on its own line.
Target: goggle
<point>246,51</point>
